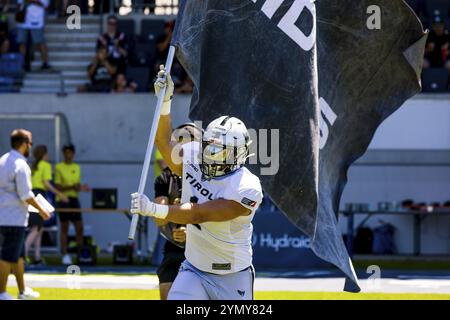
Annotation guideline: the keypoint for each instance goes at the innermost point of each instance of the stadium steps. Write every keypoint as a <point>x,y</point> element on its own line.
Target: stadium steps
<point>71,37</point>
<point>66,75</point>
<point>90,28</point>
<point>74,56</point>
<point>47,90</point>
<point>70,52</point>
<point>72,46</point>
<point>64,65</point>
<point>53,82</point>
<point>86,20</point>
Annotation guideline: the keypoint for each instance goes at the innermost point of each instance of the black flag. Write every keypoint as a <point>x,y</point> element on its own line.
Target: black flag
<point>365,74</point>
<point>323,73</point>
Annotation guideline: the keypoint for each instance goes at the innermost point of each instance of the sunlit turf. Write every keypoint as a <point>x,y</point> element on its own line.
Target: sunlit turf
<point>97,294</point>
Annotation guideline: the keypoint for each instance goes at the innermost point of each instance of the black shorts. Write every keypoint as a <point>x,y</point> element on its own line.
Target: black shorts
<point>34,218</point>
<point>12,240</point>
<point>168,270</point>
<point>69,216</point>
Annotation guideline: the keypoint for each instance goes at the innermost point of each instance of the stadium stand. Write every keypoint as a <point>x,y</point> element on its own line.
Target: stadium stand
<point>71,51</point>
<point>140,75</point>
<point>10,72</point>
<point>151,30</point>
<point>435,80</point>
<point>127,26</point>
<point>437,8</point>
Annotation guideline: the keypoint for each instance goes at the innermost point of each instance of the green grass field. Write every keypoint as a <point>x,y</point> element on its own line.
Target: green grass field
<point>68,294</point>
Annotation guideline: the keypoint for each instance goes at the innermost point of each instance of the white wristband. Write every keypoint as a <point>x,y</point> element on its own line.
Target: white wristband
<point>161,211</point>
<point>165,109</point>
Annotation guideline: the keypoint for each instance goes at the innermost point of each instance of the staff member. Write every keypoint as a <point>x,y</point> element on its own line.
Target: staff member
<point>41,175</point>
<point>168,191</point>
<point>68,181</point>
<point>15,195</point>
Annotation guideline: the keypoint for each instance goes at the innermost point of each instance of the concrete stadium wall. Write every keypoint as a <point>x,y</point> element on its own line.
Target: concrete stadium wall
<point>110,133</point>
<point>409,157</point>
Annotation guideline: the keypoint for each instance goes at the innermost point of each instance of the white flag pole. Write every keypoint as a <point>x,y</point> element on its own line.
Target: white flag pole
<point>151,142</point>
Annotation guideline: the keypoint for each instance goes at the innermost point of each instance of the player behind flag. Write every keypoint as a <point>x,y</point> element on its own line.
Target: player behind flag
<point>219,199</point>
<point>168,191</point>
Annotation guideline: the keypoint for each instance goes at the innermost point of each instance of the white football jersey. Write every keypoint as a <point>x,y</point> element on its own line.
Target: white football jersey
<point>219,247</point>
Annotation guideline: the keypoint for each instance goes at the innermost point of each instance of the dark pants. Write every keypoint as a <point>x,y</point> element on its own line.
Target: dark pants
<point>12,241</point>
<point>70,216</point>
<point>172,259</point>
<point>34,218</point>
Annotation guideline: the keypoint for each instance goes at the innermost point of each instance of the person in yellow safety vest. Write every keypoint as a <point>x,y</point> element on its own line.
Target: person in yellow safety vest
<point>68,180</point>
<point>41,176</point>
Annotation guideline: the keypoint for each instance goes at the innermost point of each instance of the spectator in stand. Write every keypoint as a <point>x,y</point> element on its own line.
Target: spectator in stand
<point>186,87</point>
<point>163,44</point>
<point>101,72</point>
<point>179,76</point>
<point>15,196</point>
<point>121,85</point>
<point>41,175</point>
<point>34,24</point>
<point>68,181</point>
<point>116,44</point>
<point>59,7</point>
<point>437,51</point>
<point>4,41</point>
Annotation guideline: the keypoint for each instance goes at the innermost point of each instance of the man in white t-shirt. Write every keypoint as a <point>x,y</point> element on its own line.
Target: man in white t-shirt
<point>219,199</point>
<point>15,196</point>
<point>34,24</point>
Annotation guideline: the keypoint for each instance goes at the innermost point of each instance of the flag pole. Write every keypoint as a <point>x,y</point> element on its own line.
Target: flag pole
<point>151,142</point>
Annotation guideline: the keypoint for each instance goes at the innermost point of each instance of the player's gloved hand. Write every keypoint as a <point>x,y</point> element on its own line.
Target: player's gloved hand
<point>142,205</point>
<point>164,80</point>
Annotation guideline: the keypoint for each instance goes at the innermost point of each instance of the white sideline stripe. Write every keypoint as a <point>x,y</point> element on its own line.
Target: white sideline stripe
<point>148,282</point>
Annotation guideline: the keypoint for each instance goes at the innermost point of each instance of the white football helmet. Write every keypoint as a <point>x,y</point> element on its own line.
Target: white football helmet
<point>225,147</point>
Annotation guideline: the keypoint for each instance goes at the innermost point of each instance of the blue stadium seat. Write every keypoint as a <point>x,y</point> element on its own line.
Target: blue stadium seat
<point>143,54</point>
<point>435,80</point>
<point>437,8</point>
<point>127,26</point>
<point>140,75</point>
<point>6,84</point>
<point>414,4</point>
<point>11,65</point>
<point>151,29</point>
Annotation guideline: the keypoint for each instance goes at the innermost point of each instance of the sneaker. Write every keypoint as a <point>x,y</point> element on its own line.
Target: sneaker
<point>38,263</point>
<point>5,296</point>
<point>29,294</point>
<point>67,259</point>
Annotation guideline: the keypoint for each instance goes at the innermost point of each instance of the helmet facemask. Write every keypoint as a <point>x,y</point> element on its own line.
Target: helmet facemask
<point>218,160</point>
<point>224,147</point>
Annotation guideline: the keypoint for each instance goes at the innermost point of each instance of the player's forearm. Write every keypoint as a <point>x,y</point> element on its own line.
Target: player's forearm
<point>187,213</point>
<point>165,146</point>
<point>213,211</point>
<point>164,131</point>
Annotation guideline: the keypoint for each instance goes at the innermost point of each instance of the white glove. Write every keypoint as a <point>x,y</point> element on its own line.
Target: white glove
<point>140,204</point>
<point>164,80</point>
